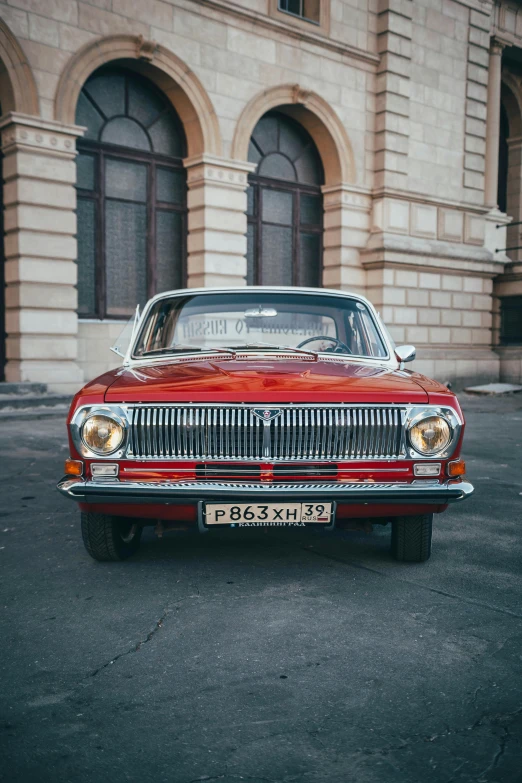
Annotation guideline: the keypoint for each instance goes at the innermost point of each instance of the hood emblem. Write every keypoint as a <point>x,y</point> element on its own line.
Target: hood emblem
<point>267,414</point>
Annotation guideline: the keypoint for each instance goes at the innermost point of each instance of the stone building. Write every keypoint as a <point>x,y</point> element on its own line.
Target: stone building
<point>368,145</point>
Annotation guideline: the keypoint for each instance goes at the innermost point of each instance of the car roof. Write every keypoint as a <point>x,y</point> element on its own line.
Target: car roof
<point>265,288</point>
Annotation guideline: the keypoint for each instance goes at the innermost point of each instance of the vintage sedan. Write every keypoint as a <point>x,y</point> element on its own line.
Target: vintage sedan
<point>262,407</point>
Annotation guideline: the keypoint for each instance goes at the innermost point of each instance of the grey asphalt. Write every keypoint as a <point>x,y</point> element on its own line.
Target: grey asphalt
<point>287,657</point>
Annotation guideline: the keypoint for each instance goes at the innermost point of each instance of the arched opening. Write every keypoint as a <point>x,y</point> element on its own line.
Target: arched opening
<point>285,204</point>
<point>131,188</point>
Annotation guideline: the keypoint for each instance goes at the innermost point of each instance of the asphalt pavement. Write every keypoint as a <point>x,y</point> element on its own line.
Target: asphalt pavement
<point>286,656</point>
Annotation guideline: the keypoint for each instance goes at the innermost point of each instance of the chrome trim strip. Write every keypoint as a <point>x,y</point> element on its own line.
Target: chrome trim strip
<point>115,491</point>
<point>303,432</point>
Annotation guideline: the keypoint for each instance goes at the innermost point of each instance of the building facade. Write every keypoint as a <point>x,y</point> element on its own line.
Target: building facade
<point>368,145</point>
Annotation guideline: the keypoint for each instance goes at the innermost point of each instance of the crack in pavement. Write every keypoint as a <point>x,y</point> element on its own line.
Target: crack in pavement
<point>462,598</point>
<point>135,649</point>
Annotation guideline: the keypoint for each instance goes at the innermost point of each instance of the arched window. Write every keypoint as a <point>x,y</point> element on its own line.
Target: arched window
<point>285,205</point>
<point>131,188</point>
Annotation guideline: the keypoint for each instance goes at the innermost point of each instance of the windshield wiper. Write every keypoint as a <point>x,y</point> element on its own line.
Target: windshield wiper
<point>288,348</point>
<point>180,347</point>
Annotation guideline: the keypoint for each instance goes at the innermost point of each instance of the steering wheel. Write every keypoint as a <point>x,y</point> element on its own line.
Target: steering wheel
<point>338,343</point>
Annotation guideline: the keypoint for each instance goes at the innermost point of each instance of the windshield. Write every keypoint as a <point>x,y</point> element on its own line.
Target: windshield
<point>259,319</point>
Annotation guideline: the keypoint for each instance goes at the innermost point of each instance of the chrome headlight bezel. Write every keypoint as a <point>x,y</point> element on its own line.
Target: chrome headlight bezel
<point>114,412</point>
<point>452,419</point>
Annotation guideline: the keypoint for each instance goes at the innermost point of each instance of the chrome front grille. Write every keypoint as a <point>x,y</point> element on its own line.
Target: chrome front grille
<point>236,433</point>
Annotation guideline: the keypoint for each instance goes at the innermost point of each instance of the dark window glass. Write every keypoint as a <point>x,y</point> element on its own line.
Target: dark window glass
<point>126,133</point>
<point>125,180</point>
<point>309,253</point>
<point>276,255</point>
<point>277,166</point>
<point>251,238</point>
<point>107,92</point>
<point>284,154</point>
<point>511,320</point>
<point>88,116</point>
<point>170,185</point>
<point>169,235</point>
<point>126,247</point>
<point>86,216</point>
<point>311,209</point>
<point>129,161</point>
<point>85,171</point>
<point>165,138</point>
<point>278,207</point>
<point>305,9</point>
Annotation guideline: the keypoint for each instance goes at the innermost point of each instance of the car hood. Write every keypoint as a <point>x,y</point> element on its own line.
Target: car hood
<point>265,380</point>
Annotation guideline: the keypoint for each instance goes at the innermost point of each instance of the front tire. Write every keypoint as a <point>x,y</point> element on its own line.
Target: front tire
<point>411,538</point>
<point>108,538</point>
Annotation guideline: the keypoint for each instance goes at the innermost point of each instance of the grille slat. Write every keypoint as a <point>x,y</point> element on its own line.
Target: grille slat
<point>236,433</point>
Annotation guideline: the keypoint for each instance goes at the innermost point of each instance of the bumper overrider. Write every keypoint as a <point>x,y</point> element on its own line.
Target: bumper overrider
<point>172,492</point>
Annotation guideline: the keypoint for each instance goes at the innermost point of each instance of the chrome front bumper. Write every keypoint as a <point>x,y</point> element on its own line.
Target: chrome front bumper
<point>171,492</point>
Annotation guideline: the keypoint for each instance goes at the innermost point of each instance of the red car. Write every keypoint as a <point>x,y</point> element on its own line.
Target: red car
<point>255,406</point>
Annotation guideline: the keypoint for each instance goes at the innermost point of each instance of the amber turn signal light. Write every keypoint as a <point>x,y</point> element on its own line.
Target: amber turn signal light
<point>73,467</point>
<point>456,468</point>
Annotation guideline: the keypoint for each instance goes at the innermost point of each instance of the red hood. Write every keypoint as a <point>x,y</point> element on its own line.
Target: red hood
<point>264,380</point>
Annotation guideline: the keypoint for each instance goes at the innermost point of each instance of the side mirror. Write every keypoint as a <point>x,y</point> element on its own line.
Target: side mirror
<point>405,353</point>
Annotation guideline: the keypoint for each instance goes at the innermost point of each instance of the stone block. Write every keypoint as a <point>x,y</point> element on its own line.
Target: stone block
<point>404,315</point>
<point>480,20</point>
<point>450,225</point>
<point>440,335</point>
<point>470,318</point>
<point>451,317</point>
<point>417,335</point>
<point>481,302</point>
<point>44,30</point>
<point>40,245</point>
<point>56,348</point>
<point>452,283</point>
<point>257,46</point>
<point>474,180</point>
<point>423,220</point>
<point>473,285</point>
<point>478,56</point>
<point>461,336</point>
<point>462,301</point>
<point>32,295</point>
<point>393,296</point>
<point>416,298</point>
<point>39,218</point>
<point>429,316</point>
<point>440,299</point>
<point>429,280</point>
<point>40,270</point>
<point>16,20</point>
<point>474,229</point>
<point>398,334</point>
<point>102,22</point>
<point>406,278</point>
<point>32,321</point>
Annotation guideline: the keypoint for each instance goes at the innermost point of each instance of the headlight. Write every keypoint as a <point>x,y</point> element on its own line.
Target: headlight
<point>430,435</point>
<point>102,434</point>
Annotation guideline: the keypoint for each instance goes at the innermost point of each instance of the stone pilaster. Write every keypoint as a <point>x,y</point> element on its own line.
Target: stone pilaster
<point>347,213</point>
<point>394,28</point>
<point>493,124</point>
<point>217,222</point>
<point>40,251</point>
<point>476,108</point>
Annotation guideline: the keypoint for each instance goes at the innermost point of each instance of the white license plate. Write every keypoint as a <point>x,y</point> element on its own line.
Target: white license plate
<point>268,514</point>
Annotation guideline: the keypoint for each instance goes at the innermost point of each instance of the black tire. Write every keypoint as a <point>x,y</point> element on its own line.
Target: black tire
<point>109,538</point>
<point>411,538</point>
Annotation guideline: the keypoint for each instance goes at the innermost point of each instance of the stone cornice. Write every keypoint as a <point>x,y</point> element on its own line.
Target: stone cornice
<point>273,25</point>
<point>219,171</point>
<point>50,137</point>
<point>424,198</point>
